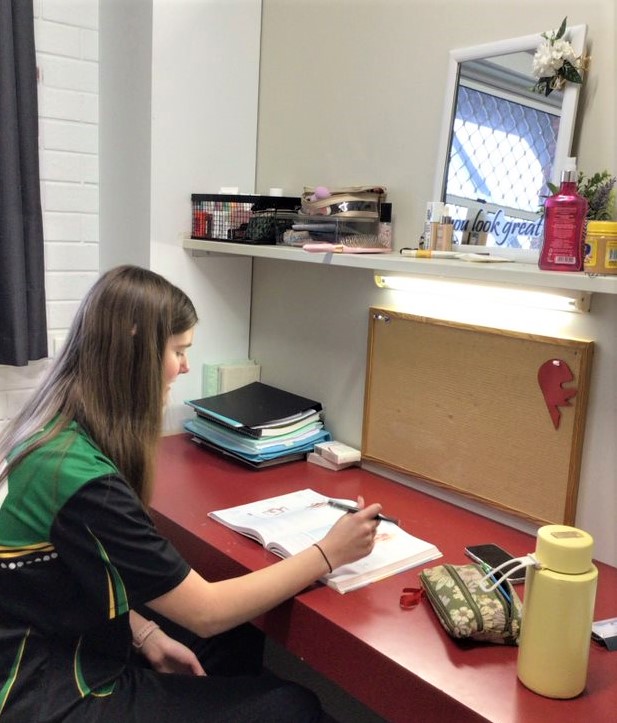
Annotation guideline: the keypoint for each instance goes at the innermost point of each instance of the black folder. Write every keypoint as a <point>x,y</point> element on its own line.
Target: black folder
<point>252,406</point>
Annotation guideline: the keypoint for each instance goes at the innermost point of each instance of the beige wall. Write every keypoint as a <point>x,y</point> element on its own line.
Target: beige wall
<point>352,91</point>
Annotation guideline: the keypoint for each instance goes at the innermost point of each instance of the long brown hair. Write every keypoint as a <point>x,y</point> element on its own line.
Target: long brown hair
<point>109,375</point>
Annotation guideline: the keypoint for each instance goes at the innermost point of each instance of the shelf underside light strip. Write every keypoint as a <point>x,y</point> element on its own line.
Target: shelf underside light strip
<point>487,293</point>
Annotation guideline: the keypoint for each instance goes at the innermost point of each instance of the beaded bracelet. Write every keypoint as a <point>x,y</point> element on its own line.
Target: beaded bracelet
<point>140,637</point>
<point>323,554</point>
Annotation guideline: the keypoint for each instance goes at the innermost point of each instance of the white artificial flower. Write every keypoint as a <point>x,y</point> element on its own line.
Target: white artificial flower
<point>543,61</point>
<point>561,51</point>
<point>548,62</point>
<point>564,50</point>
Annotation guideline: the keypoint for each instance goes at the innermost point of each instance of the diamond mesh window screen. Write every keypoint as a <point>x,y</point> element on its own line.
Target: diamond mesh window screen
<point>501,151</point>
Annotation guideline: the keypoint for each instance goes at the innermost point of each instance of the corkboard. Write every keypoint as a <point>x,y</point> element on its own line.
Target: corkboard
<point>461,406</point>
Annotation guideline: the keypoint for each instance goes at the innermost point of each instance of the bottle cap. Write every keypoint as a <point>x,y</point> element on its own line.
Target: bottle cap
<point>569,172</point>
<point>434,211</point>
<point>564,549</point>
<point>602,228</point>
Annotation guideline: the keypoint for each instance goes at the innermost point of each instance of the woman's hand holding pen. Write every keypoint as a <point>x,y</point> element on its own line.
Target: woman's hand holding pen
<point>353,536</point>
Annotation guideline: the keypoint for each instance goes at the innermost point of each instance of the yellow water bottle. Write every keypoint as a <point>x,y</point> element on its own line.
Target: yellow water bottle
<point>558,613</point>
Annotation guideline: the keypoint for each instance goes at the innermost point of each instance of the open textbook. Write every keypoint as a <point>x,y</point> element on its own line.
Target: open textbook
<point>290,523</point>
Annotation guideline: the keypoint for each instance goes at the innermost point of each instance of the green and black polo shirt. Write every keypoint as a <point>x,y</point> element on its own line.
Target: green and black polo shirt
<point>77,550</point>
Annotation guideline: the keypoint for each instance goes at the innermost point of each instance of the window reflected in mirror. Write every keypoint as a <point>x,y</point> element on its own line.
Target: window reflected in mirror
<point>502,152</point>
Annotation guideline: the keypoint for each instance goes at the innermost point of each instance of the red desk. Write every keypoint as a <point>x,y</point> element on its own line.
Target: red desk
<point>398,662</point>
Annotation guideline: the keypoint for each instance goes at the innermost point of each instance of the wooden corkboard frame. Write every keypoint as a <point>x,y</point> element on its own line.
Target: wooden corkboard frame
<point>460,406</point>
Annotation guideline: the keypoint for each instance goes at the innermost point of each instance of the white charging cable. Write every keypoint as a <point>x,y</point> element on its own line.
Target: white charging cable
<point>526,561</point>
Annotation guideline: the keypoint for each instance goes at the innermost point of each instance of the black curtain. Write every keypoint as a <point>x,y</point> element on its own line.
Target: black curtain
<point>23,327</point>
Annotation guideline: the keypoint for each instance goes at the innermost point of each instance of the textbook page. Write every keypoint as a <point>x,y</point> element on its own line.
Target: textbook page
<point>288,524</point>
<point>276,519</point>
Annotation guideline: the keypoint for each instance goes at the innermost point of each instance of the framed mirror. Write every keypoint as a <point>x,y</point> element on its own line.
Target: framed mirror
<point>501,143</point>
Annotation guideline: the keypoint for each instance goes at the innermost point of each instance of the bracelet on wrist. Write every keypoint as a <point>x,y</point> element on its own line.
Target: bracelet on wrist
<point>144,633</point>
<point>323,554</point>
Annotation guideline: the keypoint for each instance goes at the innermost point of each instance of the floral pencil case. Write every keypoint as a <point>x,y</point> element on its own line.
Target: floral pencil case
<point>466,606</point>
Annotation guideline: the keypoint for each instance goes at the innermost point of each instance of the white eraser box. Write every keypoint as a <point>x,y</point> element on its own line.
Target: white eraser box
<point>338,452</point>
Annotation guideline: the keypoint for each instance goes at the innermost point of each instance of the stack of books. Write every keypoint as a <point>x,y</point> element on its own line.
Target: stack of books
<point>258,424</point>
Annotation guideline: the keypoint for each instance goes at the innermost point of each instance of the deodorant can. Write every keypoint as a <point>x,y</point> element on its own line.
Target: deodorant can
<point>558,613</point>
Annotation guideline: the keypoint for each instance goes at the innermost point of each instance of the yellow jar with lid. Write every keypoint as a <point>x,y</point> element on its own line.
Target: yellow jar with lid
<point>601,247</point>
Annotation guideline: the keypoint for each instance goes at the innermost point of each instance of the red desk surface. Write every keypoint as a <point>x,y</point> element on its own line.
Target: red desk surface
<point>400,663</point>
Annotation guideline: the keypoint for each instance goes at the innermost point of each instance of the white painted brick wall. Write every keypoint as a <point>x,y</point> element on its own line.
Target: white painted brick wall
<point>66,36</point>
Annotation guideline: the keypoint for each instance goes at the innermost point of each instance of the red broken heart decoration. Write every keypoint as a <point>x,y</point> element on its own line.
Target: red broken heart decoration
<point>552,375</point>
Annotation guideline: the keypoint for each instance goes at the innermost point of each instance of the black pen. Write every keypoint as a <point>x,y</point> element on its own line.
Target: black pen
<point>351,508</point>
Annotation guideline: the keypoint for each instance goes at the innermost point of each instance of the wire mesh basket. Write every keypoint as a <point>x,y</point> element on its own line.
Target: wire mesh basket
<point>242,218</point>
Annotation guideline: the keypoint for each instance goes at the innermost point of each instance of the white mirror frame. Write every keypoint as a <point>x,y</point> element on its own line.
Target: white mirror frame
<point>576,34</point>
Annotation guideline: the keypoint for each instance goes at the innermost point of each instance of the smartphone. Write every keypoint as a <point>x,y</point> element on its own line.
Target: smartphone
<point>493,555</point>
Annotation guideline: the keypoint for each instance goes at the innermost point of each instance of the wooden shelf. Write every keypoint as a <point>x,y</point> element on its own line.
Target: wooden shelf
<point>516,273</point>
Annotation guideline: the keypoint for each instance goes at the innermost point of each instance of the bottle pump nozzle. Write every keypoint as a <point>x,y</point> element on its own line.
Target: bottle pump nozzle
<point>569,172</point>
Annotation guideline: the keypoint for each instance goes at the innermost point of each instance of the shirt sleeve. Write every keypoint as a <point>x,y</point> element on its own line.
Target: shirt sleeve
<point>106,539</point>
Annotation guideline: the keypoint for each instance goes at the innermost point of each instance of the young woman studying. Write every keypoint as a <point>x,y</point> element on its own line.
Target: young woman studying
<point>100,617</point>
